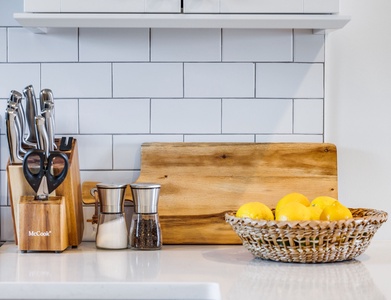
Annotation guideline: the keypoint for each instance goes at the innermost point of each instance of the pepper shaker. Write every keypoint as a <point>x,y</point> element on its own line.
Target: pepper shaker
<point>145,232</point>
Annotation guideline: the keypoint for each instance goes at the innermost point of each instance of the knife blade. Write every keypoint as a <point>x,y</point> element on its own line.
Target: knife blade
<point>17,97</point>
<point>13,136</point>
<point>41,134</point>
<point>31,112</point>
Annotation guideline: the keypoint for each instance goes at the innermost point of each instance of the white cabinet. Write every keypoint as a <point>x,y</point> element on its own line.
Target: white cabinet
<point>262,6</point>
<point>189,6</point>
<point>102,6</point>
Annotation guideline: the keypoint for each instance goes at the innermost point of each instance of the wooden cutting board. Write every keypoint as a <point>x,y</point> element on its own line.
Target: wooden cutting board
<point>200,182</point>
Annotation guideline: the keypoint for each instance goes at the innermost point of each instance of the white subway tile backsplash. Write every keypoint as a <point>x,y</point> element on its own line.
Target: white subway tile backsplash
<point>289,80</point>
<point>7,10</point>
<point>148,80</point>
<point>4,155</point>
<point>308,116</point>
<point>84,80</point>
<point>115,89</point>
<point>114,116</point>
<point>127,148</point>
<point>58,44</point>
<point>95,151</point>
<point>273,116</point>
<point>289,138</point>
<point>3,188</point>
<point>185,44</point>
<point>6,226</point>
<point>219,138</point>
<point>67,116</point>
<point>114,44</point>
<point>257,45</point>
<point>17,77</point>
<point>3,45</point>
<point>110,176</point>
<point>308,47</point>
<point>180,116</point>
<point>219,80</point>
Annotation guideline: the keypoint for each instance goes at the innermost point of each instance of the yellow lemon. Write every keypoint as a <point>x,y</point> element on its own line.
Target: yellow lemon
<point>323,201</point>
<point>292,197</point>
<point>293,211</point>
<point>315,212</point>
<point>255,210</point>
<point>335,211</point>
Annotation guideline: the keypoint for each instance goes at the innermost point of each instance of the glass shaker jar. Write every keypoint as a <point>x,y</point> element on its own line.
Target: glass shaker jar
<point>112,232</point>
<point>145,232</point>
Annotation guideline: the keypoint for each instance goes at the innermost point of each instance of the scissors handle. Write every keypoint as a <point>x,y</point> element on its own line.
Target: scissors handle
<point>54,181</point>
<point>34,178</point>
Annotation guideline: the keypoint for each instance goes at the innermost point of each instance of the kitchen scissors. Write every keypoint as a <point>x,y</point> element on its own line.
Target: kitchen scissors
<point>45,173</point>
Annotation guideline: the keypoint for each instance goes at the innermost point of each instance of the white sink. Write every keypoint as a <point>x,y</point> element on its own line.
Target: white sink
<point>105,290</point>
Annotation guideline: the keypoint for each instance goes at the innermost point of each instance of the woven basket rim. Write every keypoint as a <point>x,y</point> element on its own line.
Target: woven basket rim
<point>378,215</point>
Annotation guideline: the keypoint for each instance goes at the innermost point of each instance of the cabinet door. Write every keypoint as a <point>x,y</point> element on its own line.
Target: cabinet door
<point>100,6</point>
<point>201,6</point>
<point>42,5</point>
<point>261,6</point>
<point>173,6</point>
<point>321,6</point>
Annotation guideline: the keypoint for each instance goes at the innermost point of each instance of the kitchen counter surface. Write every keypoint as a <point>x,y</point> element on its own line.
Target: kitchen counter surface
<point>188,272</point>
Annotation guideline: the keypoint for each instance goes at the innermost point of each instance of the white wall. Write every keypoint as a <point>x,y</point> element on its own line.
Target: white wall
<point>358,105</point>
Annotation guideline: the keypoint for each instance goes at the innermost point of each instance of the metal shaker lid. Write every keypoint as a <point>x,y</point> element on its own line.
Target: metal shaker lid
<point>111,197</point>
<point>145,197</point>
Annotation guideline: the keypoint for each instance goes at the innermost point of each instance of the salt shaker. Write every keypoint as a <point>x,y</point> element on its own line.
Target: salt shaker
<point>145,232</point>
<point>112,232</point>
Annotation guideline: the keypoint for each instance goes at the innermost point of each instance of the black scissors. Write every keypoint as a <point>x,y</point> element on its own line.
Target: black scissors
<point>45,173</point>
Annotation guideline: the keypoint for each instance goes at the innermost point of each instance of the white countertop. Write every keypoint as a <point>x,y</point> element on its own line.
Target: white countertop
<point>189,272</point>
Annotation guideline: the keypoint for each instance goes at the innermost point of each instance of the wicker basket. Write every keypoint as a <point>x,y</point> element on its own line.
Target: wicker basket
<point>309,241</point>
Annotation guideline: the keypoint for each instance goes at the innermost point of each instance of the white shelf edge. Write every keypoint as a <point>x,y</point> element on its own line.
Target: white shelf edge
<point>154,20</point>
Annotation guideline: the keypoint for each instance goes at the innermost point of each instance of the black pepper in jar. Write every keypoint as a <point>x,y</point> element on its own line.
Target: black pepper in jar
<point>145,232</point>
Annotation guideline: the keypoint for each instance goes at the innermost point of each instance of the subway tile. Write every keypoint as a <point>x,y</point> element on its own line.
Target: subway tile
<point>114,116</point>
<point>3,45</point>
<point>78,80</point>
<point>257,45</point>
<point>308,47</point>
<point>109,176</point>
<point>180,116</point>
<point>3,188</point>
<point>308,116</point>
<point>7,224</point>
<point>127,148</point>
<point>3,106</point>
<point>59,44</point>
<point>220,138</point>
<point>4,155</point>
<point>289,80</point>
<point>185,44</point>
<point>17,77</point>
<point>257,116</point>
<point>148,80</point>
<point>95,152</point>
<point>67,116</point>
<point>219,79</point>
<point>7,10</point>
<point>114,44</point>
<point>289,138</point>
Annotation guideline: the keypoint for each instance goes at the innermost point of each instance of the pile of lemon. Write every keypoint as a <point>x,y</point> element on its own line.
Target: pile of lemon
<point>297,207</point>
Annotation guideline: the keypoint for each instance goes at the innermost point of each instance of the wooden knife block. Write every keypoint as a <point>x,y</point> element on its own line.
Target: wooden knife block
<point>43,224</point>
<point>70,189</point>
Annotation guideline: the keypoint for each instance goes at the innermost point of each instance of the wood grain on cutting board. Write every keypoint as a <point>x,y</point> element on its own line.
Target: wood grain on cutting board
<point>200,182</point>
